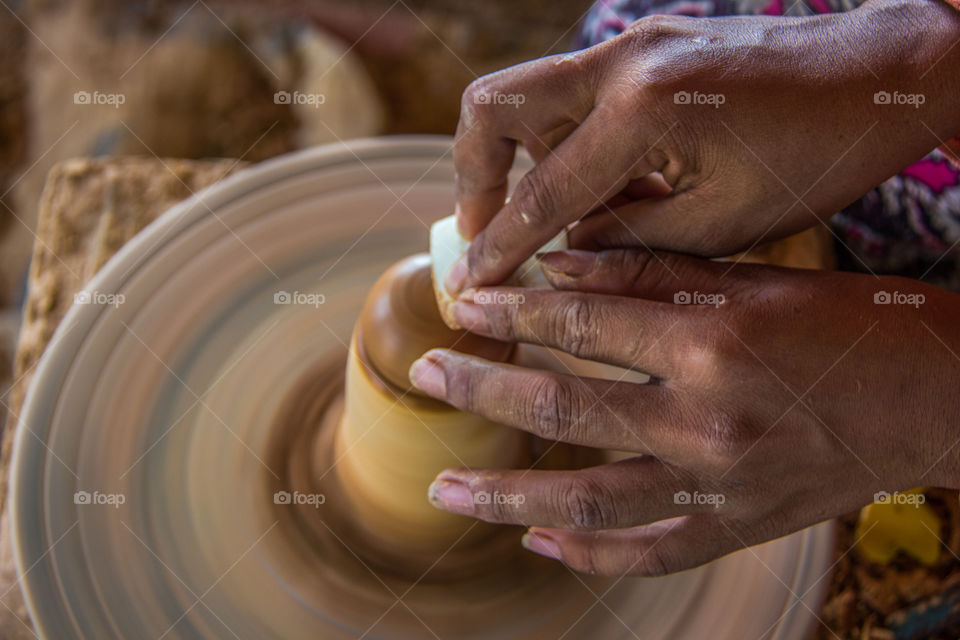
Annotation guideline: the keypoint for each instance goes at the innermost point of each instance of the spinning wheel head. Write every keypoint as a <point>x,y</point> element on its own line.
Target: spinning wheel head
<point>177,400</point>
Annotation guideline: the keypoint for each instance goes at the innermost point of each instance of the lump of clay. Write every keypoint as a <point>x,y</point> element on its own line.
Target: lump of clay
<point>447,246</point>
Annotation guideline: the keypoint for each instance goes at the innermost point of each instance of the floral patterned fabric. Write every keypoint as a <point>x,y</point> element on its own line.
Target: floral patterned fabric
<point>909,225</point>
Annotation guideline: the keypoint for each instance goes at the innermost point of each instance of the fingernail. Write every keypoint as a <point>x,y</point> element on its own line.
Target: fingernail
<point>451,496</point>
<point>571,263</point>
<point>543,545</point>
<point>428,376</point>
<point>456,277</point>
<point>471,316</point>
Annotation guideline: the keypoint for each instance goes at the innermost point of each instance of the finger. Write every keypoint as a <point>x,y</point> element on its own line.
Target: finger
<point>637,273</point>
<point>499,109</point>
<point>630,333</point>
<point>584,171</point>
<point>540,146</point>
<point>585,411</point>
<point>611,496</point>
<point>682,222</point>
<point>651,550</point>
<point>649,186</point>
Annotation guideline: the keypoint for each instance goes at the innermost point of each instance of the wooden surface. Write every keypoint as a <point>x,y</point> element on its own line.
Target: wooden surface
<point>89,209</point>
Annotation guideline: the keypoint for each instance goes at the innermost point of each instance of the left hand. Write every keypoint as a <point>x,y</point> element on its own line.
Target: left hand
<point>795,399</point>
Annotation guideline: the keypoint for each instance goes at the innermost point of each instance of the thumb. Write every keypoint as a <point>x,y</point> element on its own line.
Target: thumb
<point>639,273</point>
<point>685,222</point>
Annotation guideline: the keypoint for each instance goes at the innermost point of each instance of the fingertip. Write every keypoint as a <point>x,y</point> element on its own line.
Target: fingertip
<point>464,228</point>
<point>451,495</point>
<point>456,278</point>
<point>427,375</point>
<point>541,543</point>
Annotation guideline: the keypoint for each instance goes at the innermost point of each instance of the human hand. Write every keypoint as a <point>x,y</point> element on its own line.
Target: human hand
<point>795,399</point>
<point>702,135</point>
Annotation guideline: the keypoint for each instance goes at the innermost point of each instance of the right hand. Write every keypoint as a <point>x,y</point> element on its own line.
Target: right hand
<point>787,131</point>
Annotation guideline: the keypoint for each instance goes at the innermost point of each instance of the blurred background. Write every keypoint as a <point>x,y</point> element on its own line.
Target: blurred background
<point>200,79</point>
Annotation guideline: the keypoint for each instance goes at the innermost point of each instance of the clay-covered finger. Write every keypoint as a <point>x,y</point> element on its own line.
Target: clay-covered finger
<point>580,174</point>
<point>682,221</point>
<point>640,273</point>
<point>650,550</point>
<point>635,334</point>
<point>497,110</point>
<point>612,496</point>
<point>587,411</point>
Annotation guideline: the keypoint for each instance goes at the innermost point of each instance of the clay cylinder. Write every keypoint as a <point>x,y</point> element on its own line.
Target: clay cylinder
<point>393,440</point>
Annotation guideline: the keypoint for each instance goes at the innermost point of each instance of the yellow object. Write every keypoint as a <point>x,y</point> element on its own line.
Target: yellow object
<point>896,522</point>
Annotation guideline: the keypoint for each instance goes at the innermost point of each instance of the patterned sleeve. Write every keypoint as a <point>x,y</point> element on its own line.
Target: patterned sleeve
<point>952,148</point>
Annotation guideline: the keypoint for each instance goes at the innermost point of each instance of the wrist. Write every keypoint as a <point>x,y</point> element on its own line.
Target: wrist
<point>908,47</point>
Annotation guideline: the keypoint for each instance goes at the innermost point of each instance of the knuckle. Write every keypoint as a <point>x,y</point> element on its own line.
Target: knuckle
<point>655,28</point>
<point>504,321</point>
<point>553,408</point>
<point>463,390</point>
<point>475,105</point>
<point>709,359</point>
<point>535,197</point>
<point>574,324</point>
<point>725,439</point>
<point>589,506</point>
<point>486,249</point>
<point>634,263</point>
<point>489,508</point>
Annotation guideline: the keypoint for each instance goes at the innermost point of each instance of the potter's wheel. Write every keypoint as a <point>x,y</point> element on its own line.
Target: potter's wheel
<point>171,400</point>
